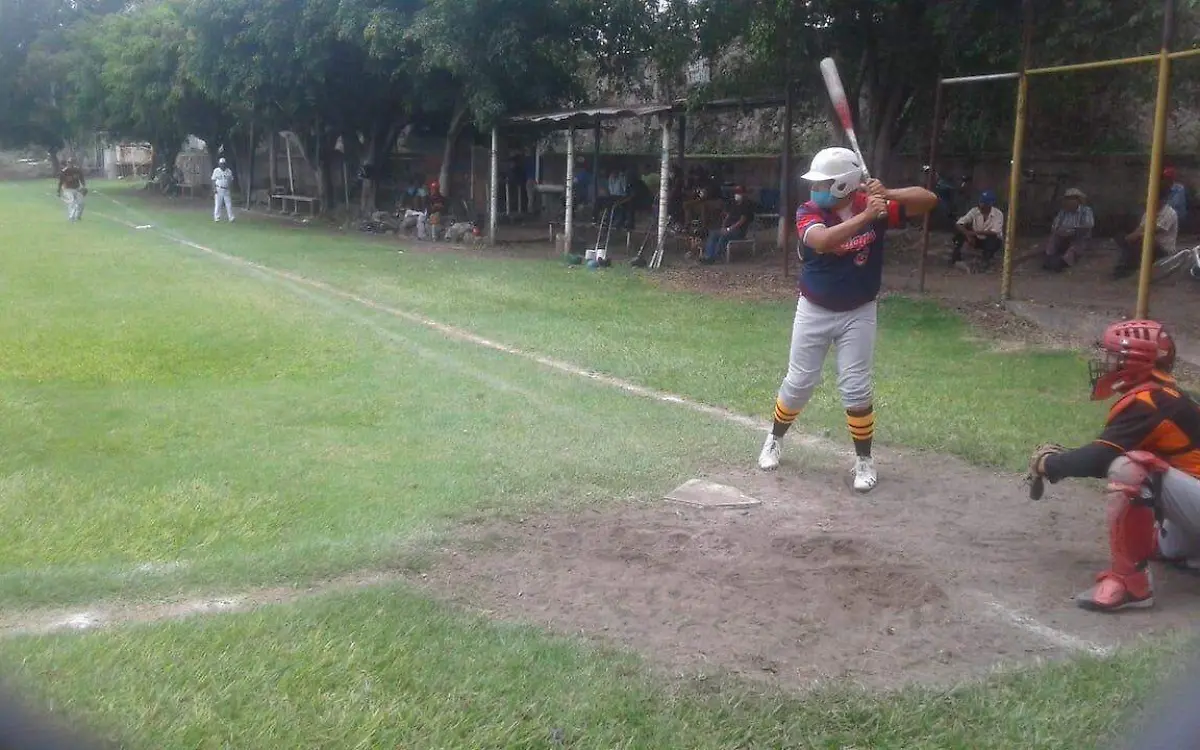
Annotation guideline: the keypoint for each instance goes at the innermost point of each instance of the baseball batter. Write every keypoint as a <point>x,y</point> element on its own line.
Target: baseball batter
<point>1150,452</point>
<point>841,230</point>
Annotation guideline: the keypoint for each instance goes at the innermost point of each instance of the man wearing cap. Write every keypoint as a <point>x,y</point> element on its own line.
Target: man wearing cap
<point>222,180</point>
<point>982,228</point>
<point>1166,232</point>
<point>1070,232</point>
<point>734,226</point>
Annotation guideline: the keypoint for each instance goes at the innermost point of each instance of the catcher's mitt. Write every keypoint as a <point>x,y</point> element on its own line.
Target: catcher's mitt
<point>1035,478</point>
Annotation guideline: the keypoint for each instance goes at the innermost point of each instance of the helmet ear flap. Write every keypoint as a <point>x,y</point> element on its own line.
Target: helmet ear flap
<point>845,185</point>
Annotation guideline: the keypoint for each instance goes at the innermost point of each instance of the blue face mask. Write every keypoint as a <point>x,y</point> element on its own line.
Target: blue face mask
<point>823,198</point>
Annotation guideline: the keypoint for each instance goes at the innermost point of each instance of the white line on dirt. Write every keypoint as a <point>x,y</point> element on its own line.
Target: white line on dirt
<point>1051,635</point>
<point>1021,621</point>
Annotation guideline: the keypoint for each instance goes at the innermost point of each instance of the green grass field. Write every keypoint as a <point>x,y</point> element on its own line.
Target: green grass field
<point>175,424</point>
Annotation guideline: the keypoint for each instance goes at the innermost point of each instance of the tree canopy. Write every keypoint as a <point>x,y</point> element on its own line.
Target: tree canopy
<point>363,72</point>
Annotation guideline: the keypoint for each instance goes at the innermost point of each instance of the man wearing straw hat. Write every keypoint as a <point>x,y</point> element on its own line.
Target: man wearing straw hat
<point>1070,233</point>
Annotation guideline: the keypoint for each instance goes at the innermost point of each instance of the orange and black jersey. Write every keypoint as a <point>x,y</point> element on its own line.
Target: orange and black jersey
<point>1158,418</point>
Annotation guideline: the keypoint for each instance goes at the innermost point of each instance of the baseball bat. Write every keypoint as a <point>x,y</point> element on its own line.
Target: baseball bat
<point>837,95</point>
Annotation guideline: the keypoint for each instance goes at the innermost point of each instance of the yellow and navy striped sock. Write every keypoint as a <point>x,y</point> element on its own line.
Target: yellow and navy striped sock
<point>783,418</point>
<point>862,429</point>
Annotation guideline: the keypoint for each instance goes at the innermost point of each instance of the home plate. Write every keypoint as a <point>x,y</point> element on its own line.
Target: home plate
<point>703,494</point>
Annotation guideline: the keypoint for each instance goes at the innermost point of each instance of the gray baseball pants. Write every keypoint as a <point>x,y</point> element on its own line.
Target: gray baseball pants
<point>1180,500</point>
<point>814,330</point>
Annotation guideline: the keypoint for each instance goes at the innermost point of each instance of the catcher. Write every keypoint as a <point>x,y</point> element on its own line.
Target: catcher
<point>1150,452</point>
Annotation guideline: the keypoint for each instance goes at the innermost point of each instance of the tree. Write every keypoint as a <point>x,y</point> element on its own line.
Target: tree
<point>482,59</point>
<point>135,85</point>
<point>294,66</point>
<point>35,61</point>
<point>891,53</point>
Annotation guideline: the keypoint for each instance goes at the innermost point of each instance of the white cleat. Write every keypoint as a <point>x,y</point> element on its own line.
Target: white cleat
<point>865,477</point>
<point>768,460</point>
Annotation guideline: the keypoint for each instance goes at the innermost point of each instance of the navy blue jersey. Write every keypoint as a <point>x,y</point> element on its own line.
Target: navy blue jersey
<point>849,277</point>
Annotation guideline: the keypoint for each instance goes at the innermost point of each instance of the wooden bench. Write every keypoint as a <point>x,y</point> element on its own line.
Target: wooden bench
<point>296,200</point>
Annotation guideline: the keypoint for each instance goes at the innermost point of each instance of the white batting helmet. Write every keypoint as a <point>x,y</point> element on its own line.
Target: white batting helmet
<point>838,164</point>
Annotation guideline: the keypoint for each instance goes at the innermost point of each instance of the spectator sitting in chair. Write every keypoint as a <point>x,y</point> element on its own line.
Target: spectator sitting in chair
<point>1166,232</point>
<point>1070,233</point>
<point>982,227</point>
<point>735,226</point>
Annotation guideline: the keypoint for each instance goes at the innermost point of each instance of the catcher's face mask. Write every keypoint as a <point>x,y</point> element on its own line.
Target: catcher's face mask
<point>1112,372</point>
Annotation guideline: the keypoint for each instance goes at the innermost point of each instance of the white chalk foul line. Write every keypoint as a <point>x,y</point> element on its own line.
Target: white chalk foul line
<point>1053,635</point>
<point>461,334</point>
<point>101,617</point>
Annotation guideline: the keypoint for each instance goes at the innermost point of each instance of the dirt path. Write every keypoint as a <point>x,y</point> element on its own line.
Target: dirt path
<point>941,574</point>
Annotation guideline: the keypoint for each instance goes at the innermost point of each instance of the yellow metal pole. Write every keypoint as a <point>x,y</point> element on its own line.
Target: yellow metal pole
<point>1014,175</point>
<point>1014,189</point>
<point>930,184</point>
<point>1156,163</point>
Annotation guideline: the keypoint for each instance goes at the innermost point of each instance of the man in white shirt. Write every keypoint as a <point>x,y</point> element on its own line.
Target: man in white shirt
<point>222,180</point>
<point>1166,232</point>
<point>982,228</point>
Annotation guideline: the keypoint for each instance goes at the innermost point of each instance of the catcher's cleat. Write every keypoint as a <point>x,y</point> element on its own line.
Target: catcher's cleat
<point>768,459</point>
<point>865,477</point>
<point>1112,593</point>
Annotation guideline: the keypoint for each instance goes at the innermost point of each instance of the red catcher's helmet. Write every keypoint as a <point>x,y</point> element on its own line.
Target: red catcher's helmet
<point>1129,354</point>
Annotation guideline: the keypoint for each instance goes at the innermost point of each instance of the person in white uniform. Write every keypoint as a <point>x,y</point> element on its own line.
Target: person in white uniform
<point>222,180</point>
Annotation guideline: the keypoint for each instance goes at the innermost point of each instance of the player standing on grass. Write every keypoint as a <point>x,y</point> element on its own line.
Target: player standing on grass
<point>841,230</point>
<point>222,179</point>
<point>73,184</point>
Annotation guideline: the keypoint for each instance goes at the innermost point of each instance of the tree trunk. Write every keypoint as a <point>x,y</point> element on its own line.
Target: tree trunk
<point>323,164</point>
<point>885,111</point>
<point>55,164</point>
<point>452,135</point>
<point>239,144</point>
<point>378,148</point>
<point>250,165</point>
<point>272,165</point>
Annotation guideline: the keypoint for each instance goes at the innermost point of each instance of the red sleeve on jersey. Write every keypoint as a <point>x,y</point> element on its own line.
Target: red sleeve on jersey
<point>807,215</point>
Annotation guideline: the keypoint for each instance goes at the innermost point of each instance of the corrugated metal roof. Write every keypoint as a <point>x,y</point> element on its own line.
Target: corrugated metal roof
<point>590,115</point>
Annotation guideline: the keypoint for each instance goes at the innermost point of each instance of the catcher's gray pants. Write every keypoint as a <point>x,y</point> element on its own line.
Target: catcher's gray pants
<point>814,330</point>
<point>74,200</point>
<point>222,197</point>
<point>1180,500</point>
